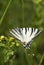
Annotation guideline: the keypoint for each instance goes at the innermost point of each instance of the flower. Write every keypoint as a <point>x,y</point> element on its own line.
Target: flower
<point>25,35</point>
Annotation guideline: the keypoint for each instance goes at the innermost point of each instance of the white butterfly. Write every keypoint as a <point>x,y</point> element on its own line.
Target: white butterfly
<point>25,35</point>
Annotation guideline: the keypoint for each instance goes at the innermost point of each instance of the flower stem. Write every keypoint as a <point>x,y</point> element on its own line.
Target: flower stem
<point>26,57</point>
<point>41,59</point>
<point>23,12</point>
<point>1,20</point>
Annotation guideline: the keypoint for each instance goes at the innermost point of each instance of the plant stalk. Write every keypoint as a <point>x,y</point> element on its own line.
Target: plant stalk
<point>2,18</point>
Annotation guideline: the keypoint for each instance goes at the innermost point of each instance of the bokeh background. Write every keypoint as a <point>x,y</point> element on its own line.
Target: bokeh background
<point>21,13</point>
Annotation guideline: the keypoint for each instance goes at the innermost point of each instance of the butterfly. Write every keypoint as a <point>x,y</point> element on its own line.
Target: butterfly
<point>25,35</point>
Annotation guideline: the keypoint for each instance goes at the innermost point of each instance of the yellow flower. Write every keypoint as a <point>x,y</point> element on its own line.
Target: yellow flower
<point>17,44</point>
<point>2,37</point>
<point>11,39</point>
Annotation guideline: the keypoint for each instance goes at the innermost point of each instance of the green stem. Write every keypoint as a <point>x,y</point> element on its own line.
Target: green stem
<point>1,20</point>
<point>23,11</point>
<point>26,57</point>
<point>41,59</point>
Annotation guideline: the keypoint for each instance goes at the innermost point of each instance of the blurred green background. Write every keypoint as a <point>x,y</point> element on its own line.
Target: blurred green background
<point>21,13</point>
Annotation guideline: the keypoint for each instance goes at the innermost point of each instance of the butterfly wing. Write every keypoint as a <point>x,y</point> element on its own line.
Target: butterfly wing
<point>34,33</point>
<point>25,35</point>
